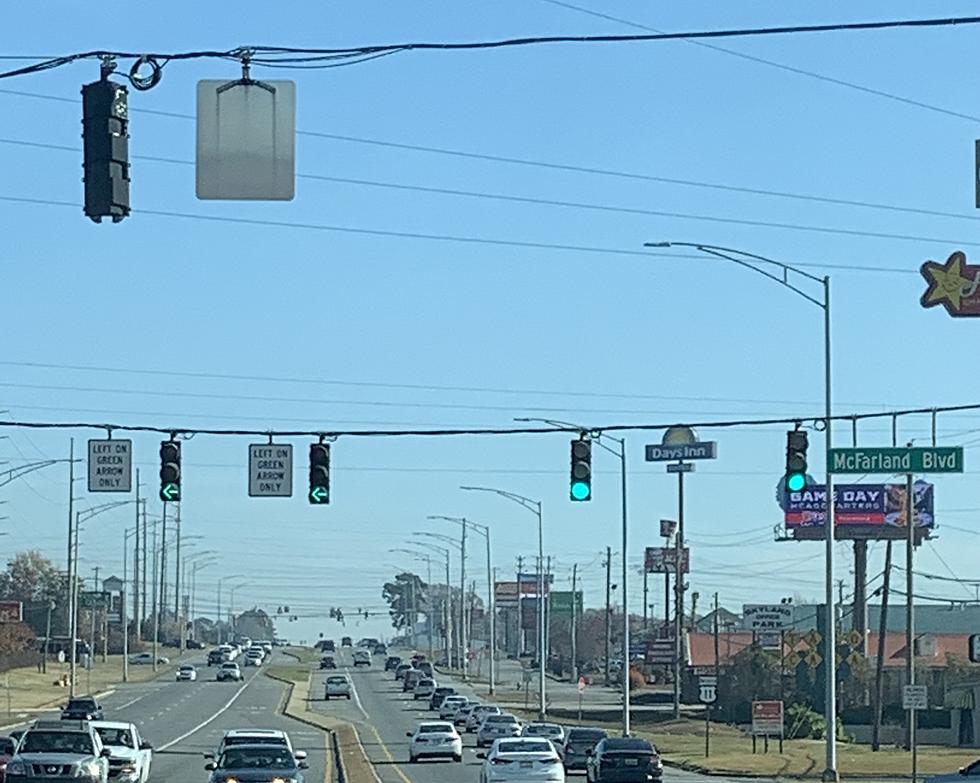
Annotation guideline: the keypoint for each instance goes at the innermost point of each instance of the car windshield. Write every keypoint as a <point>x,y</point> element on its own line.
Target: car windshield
<point>425,682</point>
<point>433,728</point>
<point>75,742</point>
<point>501,719</point>
<point>586,736</point>
<point>229,666</point>
<point>247,740</point>
<point>524,747</point>
<point>118,737</point>
<point>336,680</point>
<point>257,758</point>
<point>187,668</point>
<point>544,729</point>
<point>6,746</point>
<point>81,704</point>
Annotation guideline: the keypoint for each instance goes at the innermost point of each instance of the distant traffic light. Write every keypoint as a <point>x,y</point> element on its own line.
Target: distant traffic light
<point>319,473</point>
<point>581,478</point>
<point>796,446</point>
<point>105,136</point>
<point>170,470</point>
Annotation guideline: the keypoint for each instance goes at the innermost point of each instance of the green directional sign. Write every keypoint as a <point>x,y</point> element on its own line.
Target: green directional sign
<point>561,601</point>
<point>93,599</point>
<point>927,459</point>
<point>170,491</point>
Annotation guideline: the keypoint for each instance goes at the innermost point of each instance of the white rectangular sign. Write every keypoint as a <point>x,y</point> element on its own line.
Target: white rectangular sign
<point>767,617</point>
<point>915,697</point>
<point>110,465</point>
<point>270,470</point>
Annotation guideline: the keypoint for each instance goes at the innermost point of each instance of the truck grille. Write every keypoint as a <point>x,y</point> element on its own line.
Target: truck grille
<point>51,770</point>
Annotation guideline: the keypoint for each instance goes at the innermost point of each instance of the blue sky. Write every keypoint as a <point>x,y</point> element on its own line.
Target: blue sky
<point>364,331</point>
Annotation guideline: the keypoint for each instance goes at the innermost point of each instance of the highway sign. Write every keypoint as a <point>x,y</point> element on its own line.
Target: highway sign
<point>11,611</point>
<point>975,648</point>
<point>561,600</point>
<point>707,689</point>
<point>270,470</point>
<point>768,617</point>
<point>920,459</point>
<point>915,697</point>
<point>767,717</point>
<point>110,465</point>
<point>707,449</point>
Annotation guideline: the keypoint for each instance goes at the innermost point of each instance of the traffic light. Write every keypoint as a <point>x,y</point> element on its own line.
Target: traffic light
<point>319,473</point>
<point>105,136</point>
<point>796,445</point>
<point>581,479</point>
<point>170,470</point>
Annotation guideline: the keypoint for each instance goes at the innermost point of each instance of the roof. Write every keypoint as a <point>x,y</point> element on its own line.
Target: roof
<point>112,724</point>
<point>254,733</point>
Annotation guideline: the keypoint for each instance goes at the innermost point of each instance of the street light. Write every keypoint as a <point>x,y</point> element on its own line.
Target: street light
<point>415,600</point>
<point>464,641</point>
<point>758,264</point>
<point>447,604</point>
<point>209,559</point>
<point>484,530</point>
<point>533,506</point>
<point>220,580</point>
<point>597,436</point>
<point>461,642</point>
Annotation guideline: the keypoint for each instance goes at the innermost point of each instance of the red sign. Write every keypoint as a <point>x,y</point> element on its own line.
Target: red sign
<point>663,560</point>
<point>955,285</point>
<point>11,612</point>
<point>767,717</point>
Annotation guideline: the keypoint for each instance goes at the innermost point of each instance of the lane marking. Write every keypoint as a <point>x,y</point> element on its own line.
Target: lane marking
<point>357,699</point>
<point>204,723</point>
<point>391,759</point>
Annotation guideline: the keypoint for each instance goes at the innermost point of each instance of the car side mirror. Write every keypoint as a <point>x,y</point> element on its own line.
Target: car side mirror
<point>105,753</point>
<point>300,755</point>
<point>409,734</point>
<point>144,745</point>
<point>303,765</point>
<point>209,755</point>
<point>210,766</point>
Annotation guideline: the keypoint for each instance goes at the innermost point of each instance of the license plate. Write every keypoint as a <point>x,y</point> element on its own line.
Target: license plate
<point>527,764</point>
<point>630,762</point>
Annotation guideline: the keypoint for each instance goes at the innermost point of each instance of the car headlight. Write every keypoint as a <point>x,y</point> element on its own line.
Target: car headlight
<point>284,780</point>
<point>88,769</point>
<point>16,767</point>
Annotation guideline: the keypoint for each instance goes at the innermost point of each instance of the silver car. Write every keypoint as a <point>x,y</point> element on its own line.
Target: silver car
<point>496,727</point>
<point>55,751</point>
<point>479,714</point>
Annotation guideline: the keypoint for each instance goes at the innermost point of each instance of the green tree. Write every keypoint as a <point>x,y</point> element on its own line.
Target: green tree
<point>34,580</point>
<point>406,595</point>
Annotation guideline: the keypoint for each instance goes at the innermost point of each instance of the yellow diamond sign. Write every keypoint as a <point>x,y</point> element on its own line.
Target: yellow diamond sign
<point>793,660</point>
<point>854,638</point>
<point>813,659</point>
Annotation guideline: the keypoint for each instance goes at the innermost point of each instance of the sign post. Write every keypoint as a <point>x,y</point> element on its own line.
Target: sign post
<point>110,465</point>
<point>914,697</point>
<point>767,720</point>
<point>581,691</point>
<point>707,694</point>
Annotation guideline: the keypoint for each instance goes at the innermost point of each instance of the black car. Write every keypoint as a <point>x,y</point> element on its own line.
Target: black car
<point>327,662</point>
<point>346,642</point>
<point>579,743</point>
<point>256,763</point>
<point>391,663</point>
<point>440,693</point>
<point>380,649</point>
<point>624,760</point>
<point>215,657</point>
<point>82,708</point>
<point>329,646</point>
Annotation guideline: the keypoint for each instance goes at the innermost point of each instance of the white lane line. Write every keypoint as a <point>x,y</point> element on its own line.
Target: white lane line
<point>357,699</point>
<point>204,723</point>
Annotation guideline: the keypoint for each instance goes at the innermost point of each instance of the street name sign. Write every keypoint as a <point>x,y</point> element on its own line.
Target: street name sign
<point>707,449</point>
<point>915,697</point>
<point>110,465</point>
<point>680,467</point>
<point>928,459</point>
<point>270,470</point>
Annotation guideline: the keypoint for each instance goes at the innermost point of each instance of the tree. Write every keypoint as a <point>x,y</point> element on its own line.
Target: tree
<point>255,624</point>
<point>405,596</point>
<point>34,580</point>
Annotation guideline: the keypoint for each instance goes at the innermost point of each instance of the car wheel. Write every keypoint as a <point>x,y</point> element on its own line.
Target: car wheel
<point>412,759</point>
<point>458,758</point>
<point>348,697</point>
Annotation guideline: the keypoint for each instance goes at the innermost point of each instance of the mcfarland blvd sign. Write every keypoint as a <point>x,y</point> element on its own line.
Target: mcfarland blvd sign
<point>935,459</point>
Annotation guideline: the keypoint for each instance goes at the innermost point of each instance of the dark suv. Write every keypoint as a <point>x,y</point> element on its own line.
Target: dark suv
<point>82,708</point>
<point>59,752</point>
<point>579,743</point>
<point>624,760</point>
<point>216,657</point>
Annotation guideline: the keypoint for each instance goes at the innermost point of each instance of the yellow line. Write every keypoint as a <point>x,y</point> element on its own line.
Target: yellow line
<point>327,759</point>
<point>390,758</point>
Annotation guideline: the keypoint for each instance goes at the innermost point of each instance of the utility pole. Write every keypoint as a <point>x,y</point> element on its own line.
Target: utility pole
<point>72,576</point>
<point>143,560</point>
<point>547,612</point>
<point>156,608</point>
<point>880,655</point>
<point>136,562</point>
<point>521,644</point>
<point>47,639</point>
<point>645,600</point>
<point>608,609</point>
<point>574,634</point>
<point>463,638</point>
<point>177,571</point>
<point>910,611</point>
<point>163,564</point>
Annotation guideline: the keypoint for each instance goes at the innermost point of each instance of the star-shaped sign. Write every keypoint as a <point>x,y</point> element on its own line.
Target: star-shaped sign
<point>953,285</point>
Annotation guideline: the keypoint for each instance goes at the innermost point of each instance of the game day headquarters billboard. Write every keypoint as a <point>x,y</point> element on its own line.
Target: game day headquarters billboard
<point>860,504</point>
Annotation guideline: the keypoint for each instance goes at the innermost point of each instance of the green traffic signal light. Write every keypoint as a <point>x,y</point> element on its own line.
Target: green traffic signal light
<point>796,446</point>
<point>580,485</point>
<point>580,490</point>
<point>795,482</point>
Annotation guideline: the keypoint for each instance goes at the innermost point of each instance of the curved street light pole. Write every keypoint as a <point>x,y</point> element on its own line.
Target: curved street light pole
<point>762,266</point>
<point>447,609</point>
<point>463,635</point>
<point>461,638</point>
<point>534,506</point>
<point>415,599</point>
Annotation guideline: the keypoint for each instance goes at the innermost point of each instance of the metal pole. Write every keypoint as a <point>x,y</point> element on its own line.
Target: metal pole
<point>462,602</point>
<point>91,646</point>
<point>574,640</point>
<point>448,611</point>
<point>608,649</point>
<point>122,602</point>
<point>428,602</point>
<point>219,610</point>
<point>678,594</point>
<point>626,610</point>
<point>156,606</point>
<point>162,603</point>
<point>136,560</point>
<point>909,609</point>
<point>880,656</point>
<point>177,569</point>
<point>521,642</point>
<point>71,572</point>
<point>830,648</point>
<point>542,704</point>
<point>646,600</point>
<point>47,640</point>
<point>144,564</point>
<point>493,614</point>
<point>73,610</point>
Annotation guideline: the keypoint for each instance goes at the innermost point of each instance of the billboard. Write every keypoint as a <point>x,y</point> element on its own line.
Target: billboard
<point>859,504</point>
<point>767,617</point>
<point>663,560</point>
<point>561,601</point>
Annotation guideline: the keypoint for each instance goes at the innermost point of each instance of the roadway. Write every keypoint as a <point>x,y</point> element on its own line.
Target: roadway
<point>184,720</point>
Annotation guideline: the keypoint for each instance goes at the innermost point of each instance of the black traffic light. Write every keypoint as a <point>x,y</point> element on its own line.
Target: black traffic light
<point>796,445</point>
<point>319,473</point>
<point>170,470</point>
<point>581,479</point>
<point>105,136</point>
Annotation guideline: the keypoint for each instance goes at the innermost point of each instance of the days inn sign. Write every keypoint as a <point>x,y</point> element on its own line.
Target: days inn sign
<point>934,459</point>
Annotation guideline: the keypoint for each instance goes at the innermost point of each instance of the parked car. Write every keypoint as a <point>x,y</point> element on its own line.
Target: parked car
<point>440,693</point>
<point>392,662</point>
<point>146,659</point>
<point>82,708</point>
<point>434,740</point>
<point>579,742</point>
<point>479,714</point>
<point>256,763</point>
<point>451,705</point>
<point>72,746</point>
<point>130,756</point>
<point>551,731</point>
<point>624,760</point>
<point>401,670</point>
<point>521,759</point>
<point>229,672</point>
<point>327,662</point>
<point>494,727</point>
<point>336,685</point>
<point>186,673</point>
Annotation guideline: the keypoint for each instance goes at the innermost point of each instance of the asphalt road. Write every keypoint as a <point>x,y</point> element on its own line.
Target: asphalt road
<point>183,720</point>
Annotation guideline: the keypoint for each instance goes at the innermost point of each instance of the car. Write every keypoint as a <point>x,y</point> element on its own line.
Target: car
<point>327,662</point>
<point>337,685</point>
<point>82,708</point>
<point>215,657</point>
<point>970,770</point>
<point>266,645</point>
<point>551,731</point>
<point>479,714</point>
<point>233,737</point>
<point>325,645</point>
<point>624,760</point>
<point>380,649</point>
<point>496,727</point>
<point>130,756</point>
<point>433,740</point>
<point>346,642</point>
<point>426,668</point>
<point>521,759</point>
<point>438,694</point>
<point>186,673</point>
<point>423,689</point>
<point>579,743</point>
<point>392,662</point>
<point>253,658</point>
<point>73,747</point>
<point>451,705</point>
<point>463,713</point>
<point>362,658</point>
<point>146,659</point>
<point>402,669</point>
<point>411,679</point>
<point>194,644</point>
<point>228,652</point>
<point>7,749</point>
<point>229,672</point>
<point>256,762</point>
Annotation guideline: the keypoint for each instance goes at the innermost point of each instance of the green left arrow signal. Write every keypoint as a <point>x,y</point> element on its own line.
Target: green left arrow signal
<point>170,491</point>
<point>319,495</point>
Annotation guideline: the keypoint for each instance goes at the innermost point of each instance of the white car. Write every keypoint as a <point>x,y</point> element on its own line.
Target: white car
<point>229,671</point>
<point>496,727</point>
<point>186,673</point>
<point>522,759</point>
<point>233,737</point>
<point>423,689</point>
<point>253,658</point>
<point>970,770</point>
<point>266,645</point>
<point>551,731</point>
<point>337,685</point>
<point>450,705</point>
<point>434,739</point>
<point>130,756</point>
<point>479,714</point>
<point>145,658</point>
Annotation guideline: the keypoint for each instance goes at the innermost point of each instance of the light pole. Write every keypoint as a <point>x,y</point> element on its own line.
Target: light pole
<point>220,580</point>
<point>461,640</point>
<point>231,604</point>
<point>447,604</point>
<point>191,560</point>
<point>597,436</point>
<point>464,640</point>
<point>127,534</point>
<point>195,567</point>
<point>484,530</point>
<point>762,266</point>
<point>423,556</point>
<point>534,506</point>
